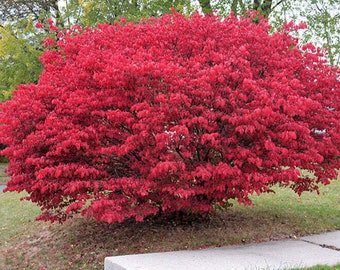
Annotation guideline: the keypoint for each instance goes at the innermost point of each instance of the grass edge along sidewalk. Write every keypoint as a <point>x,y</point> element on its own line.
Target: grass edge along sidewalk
<point>320,267</point>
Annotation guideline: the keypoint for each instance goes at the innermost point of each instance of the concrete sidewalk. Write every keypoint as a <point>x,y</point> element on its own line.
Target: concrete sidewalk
<point>304,252</point>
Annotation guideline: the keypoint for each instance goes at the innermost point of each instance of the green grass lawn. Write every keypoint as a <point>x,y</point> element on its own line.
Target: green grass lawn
<point>320,267</point>
<point>83,244</point>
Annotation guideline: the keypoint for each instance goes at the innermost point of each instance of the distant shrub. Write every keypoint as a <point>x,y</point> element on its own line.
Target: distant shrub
<point>169,115</point>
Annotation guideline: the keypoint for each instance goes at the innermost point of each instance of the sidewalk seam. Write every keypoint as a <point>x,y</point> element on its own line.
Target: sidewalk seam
<point>321,245</point>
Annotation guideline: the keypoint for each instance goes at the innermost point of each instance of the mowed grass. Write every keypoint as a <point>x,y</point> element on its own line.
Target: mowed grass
<point>83,244</point>
<point>320,267</point>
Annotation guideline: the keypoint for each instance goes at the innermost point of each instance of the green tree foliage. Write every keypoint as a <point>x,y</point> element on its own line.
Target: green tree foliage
<point>206,6</point>
<point>21,42</point>
<point>14,9</point>
<point>90,13</point>
<point>19,52</point>
<point>324,24</point>
<point>239,7</point>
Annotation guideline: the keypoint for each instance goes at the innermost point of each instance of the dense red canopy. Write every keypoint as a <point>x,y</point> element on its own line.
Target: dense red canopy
<point>171,114</point>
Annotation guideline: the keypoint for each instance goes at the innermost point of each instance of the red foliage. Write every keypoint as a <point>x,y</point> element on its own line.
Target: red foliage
<point>172,114</point>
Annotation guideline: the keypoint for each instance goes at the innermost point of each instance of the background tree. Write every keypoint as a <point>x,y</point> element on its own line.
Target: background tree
<point>323,18</point>
<point>239,7</point>
<point>37,9</point>
<point>206,6</point>
<point>21,43</point>
<point>90,13</point>
<point>20,48</point>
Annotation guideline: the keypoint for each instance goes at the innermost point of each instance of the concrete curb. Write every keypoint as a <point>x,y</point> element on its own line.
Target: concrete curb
<point>286,254</point>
